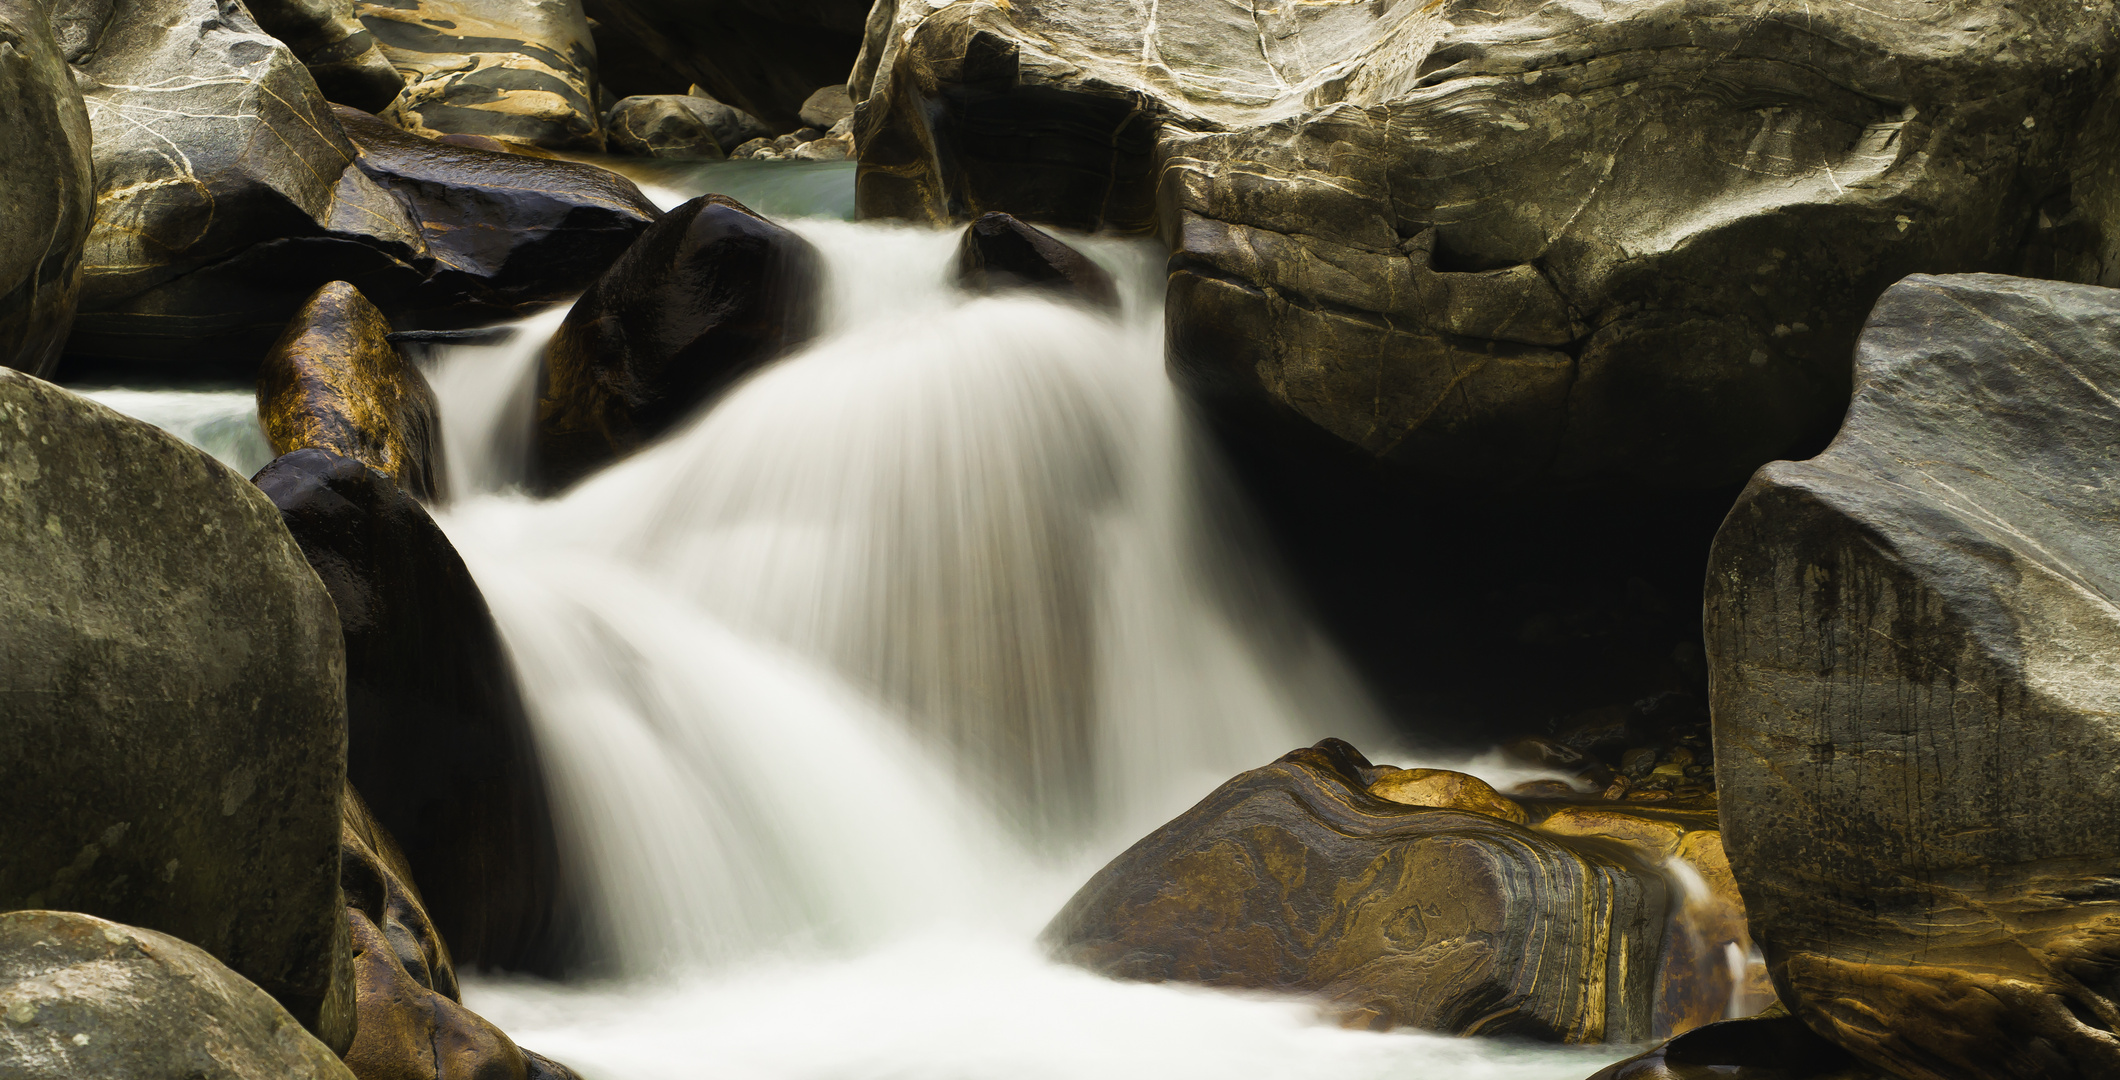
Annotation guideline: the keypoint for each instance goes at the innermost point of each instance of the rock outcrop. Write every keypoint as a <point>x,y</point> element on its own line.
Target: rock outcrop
<point>707,294</point>
<point>339,52</point>
<point>765,57</point>
<point>47,190</point>
<point>999,252</point>
<point>414,1025</point>
<point>83,998</point>
<point>1541,245</point>
<point>437,740</point>
<point>335,382</point>
<point>1409,897</point>
<point>519,72</point>
<point>172,688</point>
<point>1912,641</point>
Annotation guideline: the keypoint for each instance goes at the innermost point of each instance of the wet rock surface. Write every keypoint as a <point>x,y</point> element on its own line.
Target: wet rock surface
<point>519,72</point>
<point>47,191</point>
<point>709,293</point>
<point>1476,243</point>
<point>335,382</point>
<point>83,997</point>
<point>437,740</point>
<point>173,701</point>
<point>1774,1046</point>
<point>999,252</point>
<point>414,1025</point>
<point>1412,897</point>
<point>765,57</point>
<point>1911,638</point>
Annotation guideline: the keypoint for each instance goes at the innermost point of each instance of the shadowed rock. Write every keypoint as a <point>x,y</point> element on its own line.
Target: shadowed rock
<point>765,57</point>
<point>523,73</point>
<point>437,738</point>
<point>48,179</point>
<point>999,252</point>
<point>1912,641</point>
<point>1295,877</point>
<point>671,126</point>
<point>173,701</point>
<point>87,999</point>
<point>709,293</point>
<point>414,1025</point>
<point>1537,245</point>
<point>335,382</point>
<point>1771,1047</point>
<point>339,52</point>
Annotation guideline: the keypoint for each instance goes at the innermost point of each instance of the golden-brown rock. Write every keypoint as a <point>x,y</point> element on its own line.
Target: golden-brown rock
<point>413,1025</point>
<point>1444,788</point>
<point>335,382</point>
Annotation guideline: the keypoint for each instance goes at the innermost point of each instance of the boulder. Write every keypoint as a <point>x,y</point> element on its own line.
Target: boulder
<point>1296,877</point>
<point>999,252</point>
<point>707,294</point>
<point>437,740</point>
<point>826,107</point>
<point>518,72</point>
<point>339,52</point>
<point>335,382</point>
<point>414,1025</point>
<point>47,190</point>
<point>83,998</point>
<point>1774,1046</point>
<point>1612,245</point>
<point>1912,638</point>
<point>765,57</point>
<point>172,685</point>
<point>671,126</point>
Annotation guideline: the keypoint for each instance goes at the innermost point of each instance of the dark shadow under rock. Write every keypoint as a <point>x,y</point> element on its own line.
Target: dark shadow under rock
<point>1773,1046</point>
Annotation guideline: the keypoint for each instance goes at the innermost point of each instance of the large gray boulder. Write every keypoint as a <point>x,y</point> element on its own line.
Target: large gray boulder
<point>1548,244</point>
<point>1913,641</point>
<point>521,71</point>
<point>172,689</point>
<point>82,997</point>
<point>47,190</point>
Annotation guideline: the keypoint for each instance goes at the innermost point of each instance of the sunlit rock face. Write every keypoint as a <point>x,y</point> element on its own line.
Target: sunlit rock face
<point>1535,244</point>
<point>1912,641</point>
<point>522,71</point>
<point>1424,898</point>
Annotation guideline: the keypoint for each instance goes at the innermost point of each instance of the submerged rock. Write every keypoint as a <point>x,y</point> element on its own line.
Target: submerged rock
<point>765,57</point>
<point>89,999</point>
<point>519,72</point>
<point>437,739</point>
<point>999,252</point>
<point>1770,1047</point>
<point>1296,877</point>
<point>1541,245</point>
<point>335,382</point>
<point>48,182</point>
<point>174,701</point>
<point>709,293</point>
<point>414,1025</point>
<point>1912,639</point>
<point>339,52</point>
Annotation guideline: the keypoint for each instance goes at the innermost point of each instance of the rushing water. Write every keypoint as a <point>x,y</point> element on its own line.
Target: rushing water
<point>844,686</point>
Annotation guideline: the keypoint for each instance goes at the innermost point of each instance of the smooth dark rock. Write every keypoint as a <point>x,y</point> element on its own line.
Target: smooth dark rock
<point>1613,245</point>
<point>999,252</point>
<point>414,1025</point>
<point>1912,641</point>
<point>765,57</point>
<point>334,381</point>
<point>677,126</point>
<point>438,742</point>
<point>47,190</point>
<point>519,72</point>
<point>826,108</point>
<point>83,998</point>
<point>339,52</point>
<point>1300,877</point>
<point>172,685</point>
<point>1770,1047</point>
<point>709,293</point>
